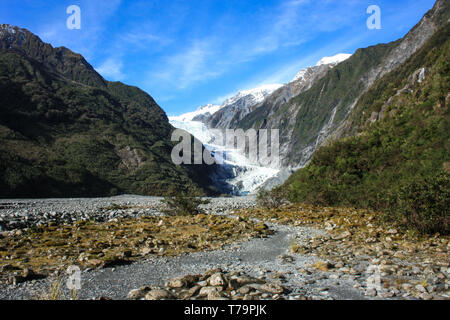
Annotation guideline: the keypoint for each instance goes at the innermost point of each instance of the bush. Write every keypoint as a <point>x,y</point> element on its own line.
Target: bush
<point>395,165</point>
<point>184,204</point>
<point>422,204</point>
<point>271,199</point>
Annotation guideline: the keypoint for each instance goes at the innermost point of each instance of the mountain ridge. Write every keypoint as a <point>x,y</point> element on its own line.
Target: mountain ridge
<point>318,114</point>
<point>396,160</point>
<point>65,131</point>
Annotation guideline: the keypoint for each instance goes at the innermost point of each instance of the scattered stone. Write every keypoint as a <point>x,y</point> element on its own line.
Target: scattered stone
<point>218,285</point>
<point>206,291</point>
<point>216,280</point>
<point>425,296</point>
<point>158,294</point>
<point>371,292</point>
<point>137,294</point>
<point>421,288</point>
<point>272,288</point>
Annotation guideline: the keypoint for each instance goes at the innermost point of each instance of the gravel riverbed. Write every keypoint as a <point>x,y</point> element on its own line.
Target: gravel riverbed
<point>270,259</point>
<point>264,258</point>
<point>25,213</point>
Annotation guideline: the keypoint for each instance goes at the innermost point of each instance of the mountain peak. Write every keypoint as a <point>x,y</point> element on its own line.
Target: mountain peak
<point>256,95</point>
<point>334,59</point>
<point>202,111</point>
<point>10,34</point>
<point>60,60</point>
<point>7,28</point>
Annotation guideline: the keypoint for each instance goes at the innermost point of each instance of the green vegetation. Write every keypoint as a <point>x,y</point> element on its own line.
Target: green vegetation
<point>270,199</point>
<point>400,163</point>
<point>338,89</point>
<point>66,132</point>
<point>184,204</point>
<point>422,204</point>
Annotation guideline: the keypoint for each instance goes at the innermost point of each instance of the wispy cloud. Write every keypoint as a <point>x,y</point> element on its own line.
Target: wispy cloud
<point>141,39</point>
<point>285,72</point>
<point>193,65</point>
<point>208,58</point>
<point>111,69</point>
<point>291,24</point>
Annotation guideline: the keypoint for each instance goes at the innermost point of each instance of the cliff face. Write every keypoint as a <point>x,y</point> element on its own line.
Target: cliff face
<point>320,112</point>
<point>276,112</point>
<point>237,107</point>
<point>65,131</point>
<point>395,158</point>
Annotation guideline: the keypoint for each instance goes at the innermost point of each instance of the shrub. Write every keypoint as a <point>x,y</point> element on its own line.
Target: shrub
<point>271,199</point>
<point>422,204</point>
<point>393,165</point>
<point>184,204</point>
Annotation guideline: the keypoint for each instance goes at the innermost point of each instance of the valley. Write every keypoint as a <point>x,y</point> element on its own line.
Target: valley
<point>357,207</point>
<point>303,253</point>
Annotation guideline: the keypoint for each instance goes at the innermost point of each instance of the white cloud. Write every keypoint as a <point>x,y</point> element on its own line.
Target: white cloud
<point>194,64</point>
<point>207,58</point>
<point>111,69</point>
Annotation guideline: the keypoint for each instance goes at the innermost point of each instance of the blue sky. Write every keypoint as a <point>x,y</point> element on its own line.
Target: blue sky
<point>189,53</point>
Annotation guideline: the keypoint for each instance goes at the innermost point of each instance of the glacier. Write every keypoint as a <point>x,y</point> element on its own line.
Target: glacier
<point>242,176</point>
<point>237,171</point>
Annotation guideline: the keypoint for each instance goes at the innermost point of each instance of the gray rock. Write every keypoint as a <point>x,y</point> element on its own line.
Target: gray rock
<point>216,280</point>
<point>158,294</point>
<point>137,294</point>
<point>371,292</point>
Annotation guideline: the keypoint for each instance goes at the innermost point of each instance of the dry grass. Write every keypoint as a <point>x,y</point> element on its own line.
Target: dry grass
<point>56,292</point>
<point>355,231</point>
<point>90,244</point>
<point>320,265</point>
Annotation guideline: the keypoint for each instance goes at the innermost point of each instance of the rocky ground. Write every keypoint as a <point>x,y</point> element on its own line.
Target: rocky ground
<point>19,213</point>
<point>319,256</point>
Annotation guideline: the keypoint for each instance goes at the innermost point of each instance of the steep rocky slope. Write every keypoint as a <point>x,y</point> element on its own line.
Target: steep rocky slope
<point>397,158</point>
<point>320,113</point>
<point>66,131</point>
<point>235,108</point>
<point>266,114</point>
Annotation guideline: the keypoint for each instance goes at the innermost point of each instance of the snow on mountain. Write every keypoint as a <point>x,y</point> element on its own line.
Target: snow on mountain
<point>237,107</point>
<point>208,110</point>
<point>300,75</point>
<point>245,177</point>
<point>253,96</point>
<point>241,175</point>
<point>247,97</point>
<point>334,59</point>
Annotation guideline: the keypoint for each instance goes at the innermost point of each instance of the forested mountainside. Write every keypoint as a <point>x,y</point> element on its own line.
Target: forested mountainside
<point>321,113</point>
<point>66,132</point>
<point>396,154</point>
